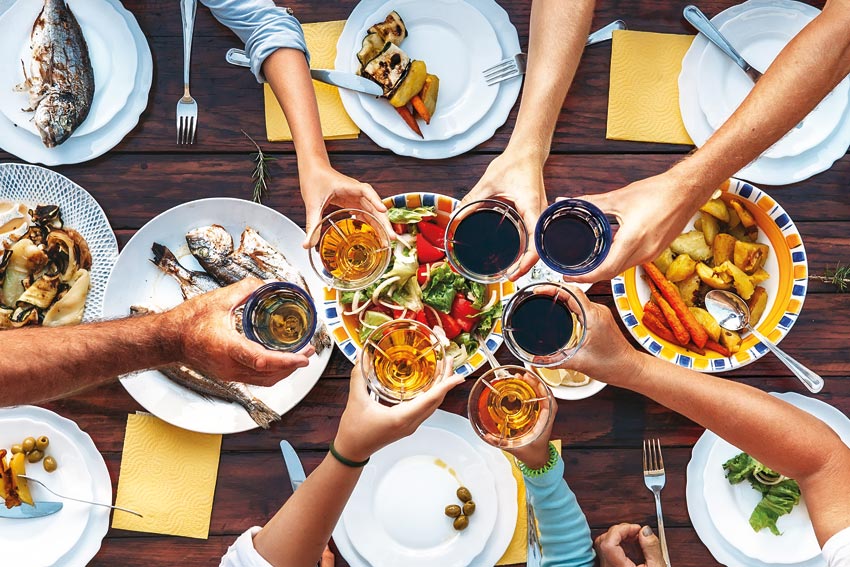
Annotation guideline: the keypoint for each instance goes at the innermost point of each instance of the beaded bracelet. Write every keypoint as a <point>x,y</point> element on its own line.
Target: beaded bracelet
<point>345,461</point>
<point>550,464</point>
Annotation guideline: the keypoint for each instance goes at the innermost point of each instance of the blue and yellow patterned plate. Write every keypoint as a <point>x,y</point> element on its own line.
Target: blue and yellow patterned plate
<point>786,288</point>
<point>343,328</point>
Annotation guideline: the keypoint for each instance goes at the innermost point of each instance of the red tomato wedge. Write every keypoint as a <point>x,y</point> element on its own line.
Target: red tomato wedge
<point>426,251</point>
<point>399,228</point>
<point>433,233</point>
<point>422,274</point>
<point>420,316</point>
<point>450,325</point>
<point>465,314</point>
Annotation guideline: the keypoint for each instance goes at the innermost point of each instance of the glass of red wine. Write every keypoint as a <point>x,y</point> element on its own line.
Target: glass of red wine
<point>485,240</point>
<point>572,237</point>
<point>544,324</point>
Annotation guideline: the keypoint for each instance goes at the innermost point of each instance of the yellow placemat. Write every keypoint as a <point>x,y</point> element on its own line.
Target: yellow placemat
<point>643,100</point>
<point>518,548</point>
<point>168,475</point>
<point>321,40</point>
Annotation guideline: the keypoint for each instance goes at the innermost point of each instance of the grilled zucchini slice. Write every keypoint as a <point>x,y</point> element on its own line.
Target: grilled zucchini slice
<point>388,68</point>
<point>391,29</point>
<point>372,45</point>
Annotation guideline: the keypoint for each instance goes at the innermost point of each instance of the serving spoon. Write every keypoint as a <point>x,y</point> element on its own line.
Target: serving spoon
<point>733,314</point>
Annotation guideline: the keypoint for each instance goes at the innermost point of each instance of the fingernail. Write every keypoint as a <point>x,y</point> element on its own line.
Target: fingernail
<point>647,531</point>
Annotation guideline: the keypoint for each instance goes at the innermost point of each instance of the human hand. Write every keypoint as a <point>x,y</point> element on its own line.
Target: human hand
<point>519,180</point>
<point>321,186</point>
<point>651,213</point>
<point>366,425</point>
<point>327,558</point>
<point>205,331</point>
<point>535,455</point>
<point>613,545</point>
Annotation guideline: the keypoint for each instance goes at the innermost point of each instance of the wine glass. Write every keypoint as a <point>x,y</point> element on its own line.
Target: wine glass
<point>572,237</point>
<point>280,316</point>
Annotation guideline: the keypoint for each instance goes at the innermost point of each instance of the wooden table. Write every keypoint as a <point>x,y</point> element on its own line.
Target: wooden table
<point>147,174</point>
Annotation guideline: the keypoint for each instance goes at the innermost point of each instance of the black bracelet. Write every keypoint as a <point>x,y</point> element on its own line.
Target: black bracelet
<point>346,462</point>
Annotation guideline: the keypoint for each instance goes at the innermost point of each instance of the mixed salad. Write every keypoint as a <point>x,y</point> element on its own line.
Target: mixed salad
<point>420,284</point>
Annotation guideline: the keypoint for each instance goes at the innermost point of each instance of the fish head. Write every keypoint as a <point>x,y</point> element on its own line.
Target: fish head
<point>56,118</point>
<point>211,243</point>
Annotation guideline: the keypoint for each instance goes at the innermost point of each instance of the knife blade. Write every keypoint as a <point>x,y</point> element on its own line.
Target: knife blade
<point>25,511</point>
<point>333,77</point>
<point>293,465</point>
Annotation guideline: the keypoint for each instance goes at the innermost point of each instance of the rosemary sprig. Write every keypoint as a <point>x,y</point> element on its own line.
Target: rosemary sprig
<point>261,175</point>
<point>839,276</point>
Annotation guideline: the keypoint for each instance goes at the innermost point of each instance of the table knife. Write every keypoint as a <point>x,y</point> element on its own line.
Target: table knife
<point>340,79</point>
<point>293,465</point>
<point>25,511</point>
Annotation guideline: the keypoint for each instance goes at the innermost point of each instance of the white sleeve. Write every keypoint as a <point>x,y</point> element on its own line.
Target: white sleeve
<point>836,550</point>
<point>242,552</point>
<point>263,27</point>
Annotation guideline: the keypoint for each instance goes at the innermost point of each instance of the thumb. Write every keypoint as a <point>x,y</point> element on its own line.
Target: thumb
<point>314,218</point>
<point>651,548</point>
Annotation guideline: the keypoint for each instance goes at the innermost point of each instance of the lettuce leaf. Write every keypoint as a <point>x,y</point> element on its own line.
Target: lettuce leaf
<point>777,499</point>
<point>442,288</point>
<point>488,319</point>
<point>403,215</point>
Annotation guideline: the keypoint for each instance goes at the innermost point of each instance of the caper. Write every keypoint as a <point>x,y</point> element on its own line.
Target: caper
<point>17,449</point>
<point>35,456</point>
<point>28,444</point>
<point>452,510</point>
<point>49,464</point>
<point>468,508</point>
<point>460,523</point>
<point>463,494</point>
<point>41,443</point>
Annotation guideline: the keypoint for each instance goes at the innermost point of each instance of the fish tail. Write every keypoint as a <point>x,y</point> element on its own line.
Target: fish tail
<point>164,258</point>
<point>262,414</point>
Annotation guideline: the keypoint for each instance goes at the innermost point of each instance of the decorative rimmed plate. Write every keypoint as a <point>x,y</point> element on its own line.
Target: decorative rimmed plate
<point>73,535</point>
<point>699,466</point>
<point>438,33</point>
<point>111,50</point>
<point>36,185</point>
<point>395,515</point>
<point>506,491</point>
<point>135,280</point>
<point>483,130</point>
<point>786,289</point>
<point>342,328</point>
<point>83,148</point>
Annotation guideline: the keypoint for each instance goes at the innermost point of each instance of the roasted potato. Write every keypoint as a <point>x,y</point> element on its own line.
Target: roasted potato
<point>709,323</point>
<point>410,85</point>
<point>712,278</point>
<point>759,276</point>
<point>734,219</point>
<point>716,208</point>
<point>18,466</point>
<point>757,303</point>
<point>730,339</point>
<point>429,93</point>
<point>742,282</point>
<point>693,244</point>
<point>709,226</point>
<point>681,268</point>
<point>750,256</point>
<point>689,288</point>
<point>724,248</point>
<point>664,260</point>
<point>747,219</point>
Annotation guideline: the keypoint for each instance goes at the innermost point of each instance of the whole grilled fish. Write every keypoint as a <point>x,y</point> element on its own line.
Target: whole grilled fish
<point>192,283</point>
<point>60,83</point>
<point>212,246</point>
<point>264,255</point>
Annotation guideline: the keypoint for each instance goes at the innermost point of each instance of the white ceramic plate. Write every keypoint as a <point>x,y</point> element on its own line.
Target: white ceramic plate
<point>135,280</point>
<point>506,493</point>
<point>438,34</point>
<point>36,185</point>
<point>699,510</point>
<point>73,535</point>
<point>506,92</point>
<point>759,35</point>
<point>111,50</point>
<point>24,145</point>
<point>763,170</point>
<point>395,515</point>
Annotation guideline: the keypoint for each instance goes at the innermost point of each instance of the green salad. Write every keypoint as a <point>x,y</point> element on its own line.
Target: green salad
<point>779,494</point>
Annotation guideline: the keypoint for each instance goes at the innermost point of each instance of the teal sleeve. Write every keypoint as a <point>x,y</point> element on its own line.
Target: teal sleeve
<point>564,533</point>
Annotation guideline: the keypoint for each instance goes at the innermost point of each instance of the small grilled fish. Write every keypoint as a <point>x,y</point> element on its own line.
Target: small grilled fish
<point>60,83</point>
<point>236,392</point>
<point>268,258</point>
<point>192,283</point>
<point>212,246</point>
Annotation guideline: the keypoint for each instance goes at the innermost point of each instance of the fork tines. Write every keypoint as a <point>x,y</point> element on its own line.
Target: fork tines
<point>653,462</point>
<point>185,130</point>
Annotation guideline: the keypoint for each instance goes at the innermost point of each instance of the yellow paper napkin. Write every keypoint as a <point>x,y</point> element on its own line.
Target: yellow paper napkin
<point>643,99</point>
<point>518,548</point>
<point>321,40</point>
<point>168,475</point>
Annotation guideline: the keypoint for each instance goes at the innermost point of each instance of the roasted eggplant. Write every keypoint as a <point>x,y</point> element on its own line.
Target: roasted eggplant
<point>388,68</point>
<point>371,47</point>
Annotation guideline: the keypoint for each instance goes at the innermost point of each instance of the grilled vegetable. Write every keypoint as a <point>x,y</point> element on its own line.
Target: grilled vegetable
<point>757,303</point>
<point>388,68</point>
<point>410,85</point>
<point>408,118</point>
<point>429,94</point>
<point>392,29</point>
<point>372,45</point>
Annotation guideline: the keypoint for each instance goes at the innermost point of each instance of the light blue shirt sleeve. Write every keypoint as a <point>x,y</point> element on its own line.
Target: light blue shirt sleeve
<point>564,533</point>
<point>263,27</point>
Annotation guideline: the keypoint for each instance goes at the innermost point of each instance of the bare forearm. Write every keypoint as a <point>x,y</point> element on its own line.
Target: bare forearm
<point>298,533</point>
<point>43,364</point>
<point>556,41</point>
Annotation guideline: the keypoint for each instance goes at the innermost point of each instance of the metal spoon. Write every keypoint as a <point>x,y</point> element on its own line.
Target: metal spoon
<point>733,314</point>
<point>35,480</point>
<point>703,25</point>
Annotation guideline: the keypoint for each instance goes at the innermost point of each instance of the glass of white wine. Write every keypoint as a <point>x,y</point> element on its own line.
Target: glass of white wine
<point>280,316</point>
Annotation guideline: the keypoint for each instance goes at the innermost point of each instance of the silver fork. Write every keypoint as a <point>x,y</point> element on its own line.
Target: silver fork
<point>187,108</point>
<point>48,489</point>
<point>515,66</point>
<point>654,478</point>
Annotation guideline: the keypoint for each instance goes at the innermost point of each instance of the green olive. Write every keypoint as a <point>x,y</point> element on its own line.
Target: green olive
<point>452,510</point>
<point>41,443</point>
<point>17,449</point>
<point>460,523</point>
<point>35,456</point>
<point>463,494</point>
<point>469,508</point>
<point>28,444</point>
<point>49,464</point>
